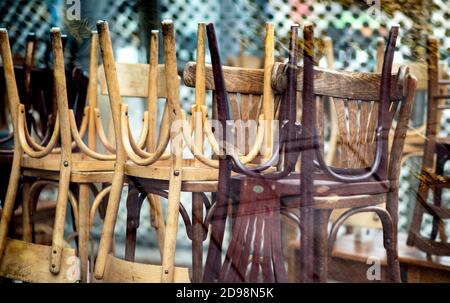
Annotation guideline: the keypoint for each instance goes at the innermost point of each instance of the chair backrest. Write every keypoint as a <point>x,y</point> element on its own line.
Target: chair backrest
<point>360,100</point>
<point>133,82</point>
<point>250,95</point>
<point>415,68</point>
<point>36,92</point>
<point>434,158</point>
<point>438,93</point>
<point>232,271</point>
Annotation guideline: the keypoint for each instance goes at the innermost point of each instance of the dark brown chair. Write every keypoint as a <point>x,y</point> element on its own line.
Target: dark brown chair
<point>432,173</point>
<point>264,215</point>
<point>366,104</point>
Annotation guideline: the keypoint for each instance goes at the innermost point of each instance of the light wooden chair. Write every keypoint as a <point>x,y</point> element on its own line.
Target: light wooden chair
<point>53,165</point>
<point>109,268</point>
<point>6,141</point>
<point>153,172</point>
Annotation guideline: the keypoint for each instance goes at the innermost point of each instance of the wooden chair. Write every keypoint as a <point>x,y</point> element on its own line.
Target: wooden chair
<point>414,140</point>
<point>48,164</point>
<point>108,267</point>
<point>214,271</point>
<point>415,137</point>
<point>6,142</point>
<point>153,172</point>
<point>359,186</point>
<point>376,168</point>
<point>435,155</point>
<point>35,88</point>
<point>332,157</point>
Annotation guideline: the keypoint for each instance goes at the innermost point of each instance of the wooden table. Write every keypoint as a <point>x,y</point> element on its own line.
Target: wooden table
<point>350,261</point>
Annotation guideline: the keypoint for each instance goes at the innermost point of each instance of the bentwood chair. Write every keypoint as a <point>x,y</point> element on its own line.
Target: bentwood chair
<point>366,179</point>
<point>317,188</point>
<point>47,164</point>
<point>6,141</point>
<point>153,172</point>
<point>414,140</point>
<point>229,160</point>
<point>109,268</point>
<point>34,88</point>
<point>252,105</point>
<point>435,154</point>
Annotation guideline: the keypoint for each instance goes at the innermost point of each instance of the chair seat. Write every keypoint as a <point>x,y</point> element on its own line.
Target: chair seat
<point>83,170</point>
<point>52,162</point>
<point>29,262</point>
<point>328,193</point>
<point>161,171</point>
<point>121,271</point>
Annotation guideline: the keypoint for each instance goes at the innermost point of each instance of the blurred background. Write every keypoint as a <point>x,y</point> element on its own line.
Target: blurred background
<point>354,27</point>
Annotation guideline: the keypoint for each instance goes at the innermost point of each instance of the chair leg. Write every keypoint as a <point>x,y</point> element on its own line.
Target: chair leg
<point>306,256</point>
<point>389,234</point>
<point>197,237</point>
<point>392,243</point>
<point>8,206</point>
<point>27,226</point>
<point>437,191</point>
<point>392,258</point>
<point>321,218</point>
<point>133,214</point>
<point>60,218</point>
<point>83,230</point>
<point>414,229</point>
<point>157,220</point>
<point>109,223</point>
<point>167,273</point>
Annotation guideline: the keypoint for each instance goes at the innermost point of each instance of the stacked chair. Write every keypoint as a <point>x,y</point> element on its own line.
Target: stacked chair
<point>436,153</point>
<point>61,164</point>
<point>109,268</point>
<point>34,86</point>
<point>317,188</point>
<point>158,173</point>
<point>267,160</point>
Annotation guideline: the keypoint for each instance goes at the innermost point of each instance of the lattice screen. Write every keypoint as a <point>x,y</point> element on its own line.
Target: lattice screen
<point>21,17</point>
